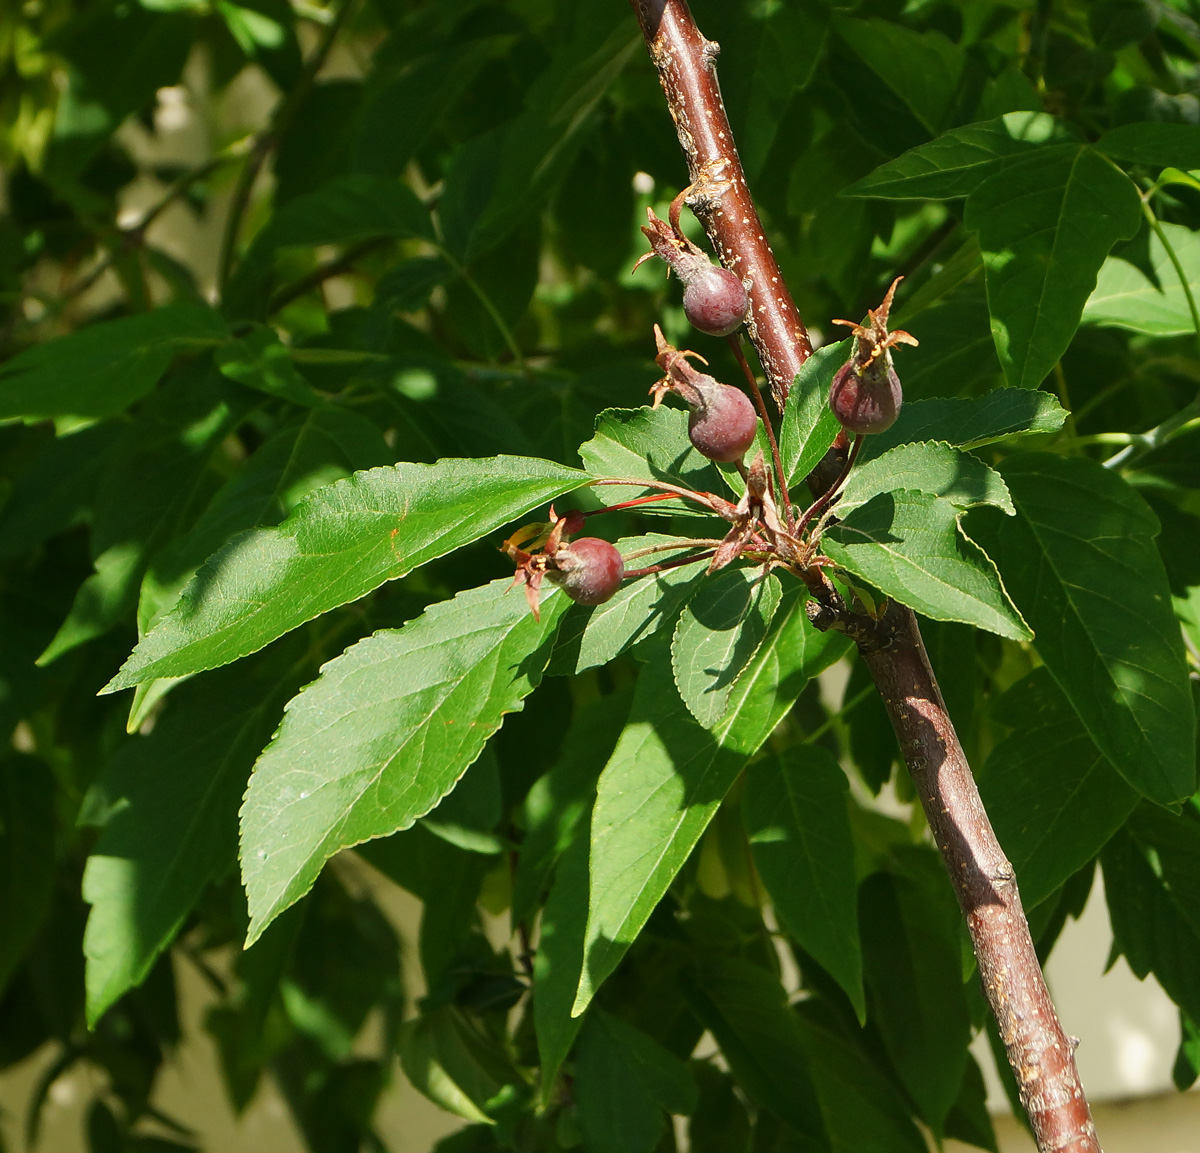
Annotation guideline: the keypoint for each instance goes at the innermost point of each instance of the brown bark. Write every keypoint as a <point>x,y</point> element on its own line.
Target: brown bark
<point>1041,1054</point>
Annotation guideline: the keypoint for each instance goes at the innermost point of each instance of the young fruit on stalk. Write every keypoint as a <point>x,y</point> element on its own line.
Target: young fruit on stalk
<point>722,424</point>
<point>865,394</point>
<point>714,299</point>
<point>588,570</point>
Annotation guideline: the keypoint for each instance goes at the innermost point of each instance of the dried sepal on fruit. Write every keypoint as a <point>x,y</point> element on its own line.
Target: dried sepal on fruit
<point>714,300</point>
<point>865,394</point>
<point>722,423</point>
<point>589,570</point>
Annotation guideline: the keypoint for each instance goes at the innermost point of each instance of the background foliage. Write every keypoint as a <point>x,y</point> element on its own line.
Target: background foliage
<point>427,256</point>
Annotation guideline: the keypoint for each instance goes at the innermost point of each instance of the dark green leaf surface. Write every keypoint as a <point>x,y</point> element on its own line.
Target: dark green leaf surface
<point>624,1081</point>
<point>808,426</point>
<point>647,444</point>
<point>956,163</point>
<point>909,546</point>
<point>1080,562</point>
<point>922,69</point>
<point>909,921</point>
<point>668,775</point>
<point>173,799</point>
<point>1125,297</point>
<point>101,370</point>
<point>338,544</point>
<point>932,467</point>
<point>1155,145</point>
<point>746,1010</point>
<point>969,422</point>
<point>1045,226</point>
<point>1052,796</point>
<point>261,360</point>
<point>795,814</point>
<point>863,1111</point>
<point>384,733</point>
<point>719,630</point>
<point>26,856</point>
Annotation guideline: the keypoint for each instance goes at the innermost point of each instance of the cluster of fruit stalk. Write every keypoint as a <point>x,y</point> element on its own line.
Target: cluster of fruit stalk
<point>723,425</point>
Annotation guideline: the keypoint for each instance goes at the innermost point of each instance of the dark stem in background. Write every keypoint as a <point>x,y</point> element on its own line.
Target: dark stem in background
<point>1041,1054</point>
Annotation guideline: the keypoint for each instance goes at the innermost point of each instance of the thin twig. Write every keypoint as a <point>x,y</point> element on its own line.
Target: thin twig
<point>678,562</point>
<point>1039,1051</point>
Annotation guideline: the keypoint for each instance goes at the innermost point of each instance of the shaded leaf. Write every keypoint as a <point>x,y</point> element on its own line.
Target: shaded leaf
<point>1080,562</point>
<point>721,626</point>
<point>1157,145</point>
<point>1045,226</point>
<point>795,814</point>
<point>384,733</point>
<point>261,360</point>
<point>171,799</point>
<point>337,545</point>
<point>1052,796</point>
<point>102,369</point>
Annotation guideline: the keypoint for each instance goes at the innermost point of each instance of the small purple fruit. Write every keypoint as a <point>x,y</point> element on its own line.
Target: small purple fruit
<point>723,425</point>
<point>866,401</point>
<point>714,300</point>
<point>588,570</point>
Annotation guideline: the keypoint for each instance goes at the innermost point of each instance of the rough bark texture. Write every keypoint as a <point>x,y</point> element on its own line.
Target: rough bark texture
<point>1040,1052</point>
<point>686,64</point>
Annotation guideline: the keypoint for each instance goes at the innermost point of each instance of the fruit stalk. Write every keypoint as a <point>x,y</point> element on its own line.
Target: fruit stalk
<point>1039,1051</point>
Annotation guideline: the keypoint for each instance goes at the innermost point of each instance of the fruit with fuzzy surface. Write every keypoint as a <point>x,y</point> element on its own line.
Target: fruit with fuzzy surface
<point>866,401</point>
<point>722,424</point>
<point>589,570</point>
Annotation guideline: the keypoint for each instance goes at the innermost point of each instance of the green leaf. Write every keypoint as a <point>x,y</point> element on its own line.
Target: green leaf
<point>624,1080</point>
<point>721,627</point>
<point>558,801</point>
<point>324,445</point>
<point>172,800</point>
<point>337,545</point>
<point>559,960</point>
<point>468,814</point>
<point>922,69</point>
<point>746,1010</point>
<point>1147,923</point>
<point>1125,297</point>
<point>970,422</point>
<point>909,921</point>
<point>26,856</point>
<point>594,636</point>
<point>931,467</point>
<point>1045,226</point>
<point>498,178</point>
<point>384,733</point>
<point>957,162</point>
<point>795,813</point>
<point>454,1064</point>
<point>1080,562</point>
<point>1053,797</point>
<point>909,546</point>
<point>808,426</point>
<point>1172,843</point>
<point>1157,145</point>
<point>103,369</point>
<point>668,774</point>
<point>261,360</point>
<point>647,444</point>
<point>863,1111</point>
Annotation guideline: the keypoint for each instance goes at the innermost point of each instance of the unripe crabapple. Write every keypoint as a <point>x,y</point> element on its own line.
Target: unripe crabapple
<point>588,570</point>
<point>723,425</point>
<point>865,402</point>
<point>714,300</point>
